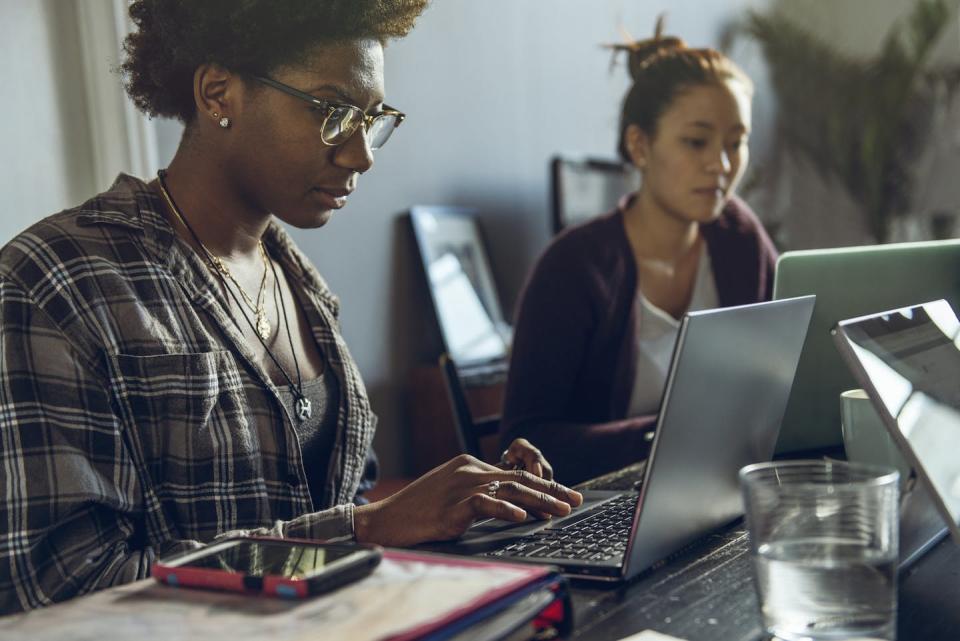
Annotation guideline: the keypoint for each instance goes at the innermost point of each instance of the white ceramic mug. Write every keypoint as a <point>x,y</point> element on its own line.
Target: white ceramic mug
<point>865,437</point>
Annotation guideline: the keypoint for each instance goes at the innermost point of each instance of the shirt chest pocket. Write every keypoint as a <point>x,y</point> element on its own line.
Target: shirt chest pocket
<point>188,410</point>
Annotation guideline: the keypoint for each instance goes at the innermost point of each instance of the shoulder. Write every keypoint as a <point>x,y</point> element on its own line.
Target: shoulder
<point>589,265</point>
<point>71,269</point>
<point>596,245</point>
<point>107,228</point>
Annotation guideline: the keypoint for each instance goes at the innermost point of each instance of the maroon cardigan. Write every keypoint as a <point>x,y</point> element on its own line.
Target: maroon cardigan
<point>574,356</point>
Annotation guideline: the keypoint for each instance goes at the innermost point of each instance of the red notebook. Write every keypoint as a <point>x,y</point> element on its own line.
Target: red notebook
<point>533,596</point>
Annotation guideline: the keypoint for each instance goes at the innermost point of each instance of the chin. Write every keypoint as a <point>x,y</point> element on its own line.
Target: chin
<point>703,215</point>
<point>710,214</point>
<point>320,219</point>
<point>308,220</point>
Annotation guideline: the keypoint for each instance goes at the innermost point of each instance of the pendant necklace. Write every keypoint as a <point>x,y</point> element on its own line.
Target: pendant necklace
<point>303,407</point>
<point>259,308</point>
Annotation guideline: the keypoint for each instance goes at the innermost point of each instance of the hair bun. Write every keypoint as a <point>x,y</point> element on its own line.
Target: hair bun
<point>641,52</point>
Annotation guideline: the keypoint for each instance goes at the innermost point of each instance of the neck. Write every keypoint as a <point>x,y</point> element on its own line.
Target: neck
<point>217,211</point>
<point>656,233</point>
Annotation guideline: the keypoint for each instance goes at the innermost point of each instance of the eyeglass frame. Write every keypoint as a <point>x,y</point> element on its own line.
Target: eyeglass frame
<point>329,104</point>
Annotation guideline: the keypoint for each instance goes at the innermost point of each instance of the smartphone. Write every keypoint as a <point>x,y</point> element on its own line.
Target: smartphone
<point>289,568</point>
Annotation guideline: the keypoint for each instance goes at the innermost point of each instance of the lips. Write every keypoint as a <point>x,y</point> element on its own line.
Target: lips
<point>716,191</point>
<point>332,197</point>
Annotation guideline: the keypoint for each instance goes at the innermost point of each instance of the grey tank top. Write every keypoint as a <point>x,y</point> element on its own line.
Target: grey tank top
<point>318,433</point>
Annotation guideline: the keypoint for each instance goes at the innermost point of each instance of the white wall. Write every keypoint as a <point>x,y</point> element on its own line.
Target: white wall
<point>66,127</point>
<point>44,142</point>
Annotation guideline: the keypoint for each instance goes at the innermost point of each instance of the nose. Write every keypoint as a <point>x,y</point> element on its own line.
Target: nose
<point>720,164</point>
<point>355,153</point>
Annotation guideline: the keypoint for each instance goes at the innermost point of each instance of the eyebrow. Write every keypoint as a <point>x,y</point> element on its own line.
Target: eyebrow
<point>701,124</point>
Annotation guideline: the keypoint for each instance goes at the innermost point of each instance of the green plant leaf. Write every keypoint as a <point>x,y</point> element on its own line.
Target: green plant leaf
<point>851,118</point>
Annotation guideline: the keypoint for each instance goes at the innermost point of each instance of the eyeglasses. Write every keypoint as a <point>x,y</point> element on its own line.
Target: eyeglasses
<point>340,120</point>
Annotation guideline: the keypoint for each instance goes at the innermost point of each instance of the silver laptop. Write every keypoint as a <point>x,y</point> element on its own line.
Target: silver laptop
<point>849,282</point>
<point>908,361</point>
<point>725,394</point>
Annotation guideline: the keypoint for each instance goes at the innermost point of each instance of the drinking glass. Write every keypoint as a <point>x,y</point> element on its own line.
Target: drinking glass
<point>824,536</point>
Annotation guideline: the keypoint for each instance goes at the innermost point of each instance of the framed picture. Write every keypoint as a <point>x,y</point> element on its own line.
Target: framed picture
<point>461,285</point>
<point>587,187</point>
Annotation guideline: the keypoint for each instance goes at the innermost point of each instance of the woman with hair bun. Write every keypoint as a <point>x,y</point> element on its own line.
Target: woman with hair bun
<point>599,314</point>
<point>172,366</point>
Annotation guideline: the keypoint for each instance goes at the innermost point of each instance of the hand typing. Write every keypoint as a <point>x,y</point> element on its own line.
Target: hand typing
<point>444,502</point>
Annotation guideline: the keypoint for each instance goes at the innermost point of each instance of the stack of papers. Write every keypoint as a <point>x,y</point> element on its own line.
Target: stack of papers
<point>409,596</point>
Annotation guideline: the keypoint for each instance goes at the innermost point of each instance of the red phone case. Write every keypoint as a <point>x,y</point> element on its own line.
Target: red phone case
<point>270,585</point>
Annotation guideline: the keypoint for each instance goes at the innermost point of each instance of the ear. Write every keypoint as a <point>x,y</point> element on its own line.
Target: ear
<point>216,92</point>
<point>638,146</point>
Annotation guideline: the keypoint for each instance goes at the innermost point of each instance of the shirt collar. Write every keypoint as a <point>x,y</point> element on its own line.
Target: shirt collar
<point>131,204</point>
<point>146,219</point>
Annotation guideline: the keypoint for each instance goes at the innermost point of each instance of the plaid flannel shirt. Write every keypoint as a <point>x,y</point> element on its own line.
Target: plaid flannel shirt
<point>134,421</point>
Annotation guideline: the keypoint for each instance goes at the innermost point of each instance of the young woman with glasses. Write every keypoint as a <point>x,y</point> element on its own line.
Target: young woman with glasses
<point>600,312</point>
<point>172,365</point>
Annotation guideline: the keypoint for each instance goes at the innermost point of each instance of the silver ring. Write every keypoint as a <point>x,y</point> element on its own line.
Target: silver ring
<point>505,462</point>
<point>492,488</point>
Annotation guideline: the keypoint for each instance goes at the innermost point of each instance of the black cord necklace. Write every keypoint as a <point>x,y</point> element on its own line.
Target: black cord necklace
<point>303,405</point>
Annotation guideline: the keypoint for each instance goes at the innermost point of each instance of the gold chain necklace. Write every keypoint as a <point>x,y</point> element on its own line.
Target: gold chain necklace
<point>259,308</point>
<point>303,405</point>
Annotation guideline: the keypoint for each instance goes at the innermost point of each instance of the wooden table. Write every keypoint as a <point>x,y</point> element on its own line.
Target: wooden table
<point>706,593</point>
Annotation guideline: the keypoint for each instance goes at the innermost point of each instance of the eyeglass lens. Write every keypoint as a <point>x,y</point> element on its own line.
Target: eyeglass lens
<point>344,120</point>
<point>380,130</point>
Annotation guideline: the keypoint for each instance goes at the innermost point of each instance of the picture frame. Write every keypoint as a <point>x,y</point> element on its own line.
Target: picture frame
<point>461,284</point>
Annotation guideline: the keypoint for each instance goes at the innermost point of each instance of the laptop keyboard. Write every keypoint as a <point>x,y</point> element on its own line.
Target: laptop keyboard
<point>600,535</point>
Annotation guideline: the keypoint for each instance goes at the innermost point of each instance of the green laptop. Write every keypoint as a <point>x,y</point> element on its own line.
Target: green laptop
<point>850,282</point>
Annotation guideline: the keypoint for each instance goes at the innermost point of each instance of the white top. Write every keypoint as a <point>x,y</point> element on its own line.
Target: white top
<point>657,335</point>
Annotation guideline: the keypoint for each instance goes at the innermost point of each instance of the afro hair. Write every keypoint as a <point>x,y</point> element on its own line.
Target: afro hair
<point>174,37</point>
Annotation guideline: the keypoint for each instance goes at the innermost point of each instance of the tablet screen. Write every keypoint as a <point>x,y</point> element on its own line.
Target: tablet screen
<point>911,359</point>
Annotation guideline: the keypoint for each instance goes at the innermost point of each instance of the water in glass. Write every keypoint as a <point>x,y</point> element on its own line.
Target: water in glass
<point>827,588</point>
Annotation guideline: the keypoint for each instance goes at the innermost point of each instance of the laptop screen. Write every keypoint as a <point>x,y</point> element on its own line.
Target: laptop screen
<point>911,359</point>
<point>846,282</point>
